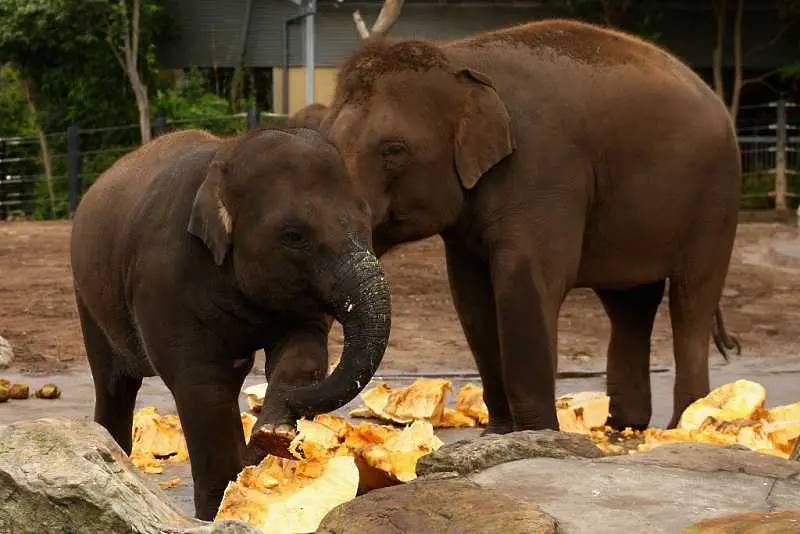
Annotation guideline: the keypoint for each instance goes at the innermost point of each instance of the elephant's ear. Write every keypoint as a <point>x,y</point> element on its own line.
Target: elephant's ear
<point>210,219</point>
<point>483,134</point>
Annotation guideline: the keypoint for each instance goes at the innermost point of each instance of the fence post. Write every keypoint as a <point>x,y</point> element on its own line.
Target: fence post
<point>253,117</point>
<point>780,155</point>
<point>159,126</point>
<point>73,168</point>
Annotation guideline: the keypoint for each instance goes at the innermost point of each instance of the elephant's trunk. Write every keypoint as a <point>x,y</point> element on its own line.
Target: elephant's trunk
<point>358,295</point>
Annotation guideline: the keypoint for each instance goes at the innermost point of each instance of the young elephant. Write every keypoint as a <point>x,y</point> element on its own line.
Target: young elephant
<point>550,156</point>
<point>193,252</point>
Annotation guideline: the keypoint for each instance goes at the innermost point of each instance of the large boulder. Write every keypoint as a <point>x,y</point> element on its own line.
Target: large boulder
<point>64,475</point>
<point>6,353</point>
<point>664,491</point>
<point>437,505</point>
<point>465,457</point>
<point>708,458</point>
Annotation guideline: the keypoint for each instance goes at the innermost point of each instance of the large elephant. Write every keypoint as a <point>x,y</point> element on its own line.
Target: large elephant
<point>549,156</point>
<point>193,252</point>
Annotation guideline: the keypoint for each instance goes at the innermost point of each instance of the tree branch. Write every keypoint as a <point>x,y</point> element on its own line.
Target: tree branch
<point>720,12</point>
<point>43,146</point>
<point>115,51</point>
<point>137,7</point>
<point>361,26</point>
<point>737,60</point>
<point>772,41</point>
<point>387,17</point>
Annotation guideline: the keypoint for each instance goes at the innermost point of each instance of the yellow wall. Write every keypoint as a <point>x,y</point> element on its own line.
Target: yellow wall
<point>324,85</point>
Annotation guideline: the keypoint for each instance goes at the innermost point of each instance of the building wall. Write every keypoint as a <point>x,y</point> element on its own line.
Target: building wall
<point>324,85</point>
<point>210,32</point>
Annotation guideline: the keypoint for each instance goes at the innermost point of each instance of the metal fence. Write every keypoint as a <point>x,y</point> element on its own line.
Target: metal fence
<point>79,155</point>
<point>769,138</point>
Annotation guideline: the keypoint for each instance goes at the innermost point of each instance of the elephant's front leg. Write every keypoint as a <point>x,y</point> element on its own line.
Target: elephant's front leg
<point>471,287</point>
<point>299,359</point>
<point>206,397</point>
<point>527,315</point>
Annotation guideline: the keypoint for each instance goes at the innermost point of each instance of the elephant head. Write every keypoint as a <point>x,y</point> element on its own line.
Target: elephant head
<point>418,131</point>
<point>277,212</point>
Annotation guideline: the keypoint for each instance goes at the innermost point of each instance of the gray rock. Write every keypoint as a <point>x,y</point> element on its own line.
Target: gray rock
<point>6,353</point>
<point>469,456</point>
<point>638,494</point>
<point>452,505</point>
<point>64,475</point>
<point>750,523</point>
<point>707,458</point>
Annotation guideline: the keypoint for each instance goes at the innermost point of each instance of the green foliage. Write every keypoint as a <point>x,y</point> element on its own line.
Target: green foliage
<point>153,27</point>
<point>62,48</point>
<point>189,105</point>
<point>189,99</point>
<point>15,119</point>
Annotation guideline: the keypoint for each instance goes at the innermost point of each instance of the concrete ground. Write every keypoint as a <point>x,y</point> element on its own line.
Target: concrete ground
<point>778,376</point>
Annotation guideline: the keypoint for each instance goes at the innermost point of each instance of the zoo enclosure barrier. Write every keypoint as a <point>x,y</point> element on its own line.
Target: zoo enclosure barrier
<point>769,138</point>
<point>79,155</point>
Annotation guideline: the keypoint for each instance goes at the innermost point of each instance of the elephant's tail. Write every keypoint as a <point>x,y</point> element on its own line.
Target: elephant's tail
<point>722,339</point>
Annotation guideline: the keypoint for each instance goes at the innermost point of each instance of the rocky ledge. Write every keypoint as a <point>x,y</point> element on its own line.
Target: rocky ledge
<point>62,475</point>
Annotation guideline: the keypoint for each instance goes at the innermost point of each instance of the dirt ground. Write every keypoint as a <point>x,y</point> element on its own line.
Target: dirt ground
<point>761,305</point>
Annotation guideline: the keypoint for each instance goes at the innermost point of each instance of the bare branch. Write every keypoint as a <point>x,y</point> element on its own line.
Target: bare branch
<point>137,7</point>
<point>387,17</point>
<point>737,60</point>
<point>115,51</point>
<point>43,146</point>
<point>720,8</point>
<point>759,79</point>
<point>758,48</point>
<point>361,26</point>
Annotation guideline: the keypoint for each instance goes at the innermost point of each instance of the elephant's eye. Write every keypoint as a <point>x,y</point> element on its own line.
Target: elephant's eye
<point>294,238</point>
<point>394,154</point>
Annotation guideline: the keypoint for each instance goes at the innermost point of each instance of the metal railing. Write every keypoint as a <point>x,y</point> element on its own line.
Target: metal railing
<point>769,140</point>
<point>79,155</point>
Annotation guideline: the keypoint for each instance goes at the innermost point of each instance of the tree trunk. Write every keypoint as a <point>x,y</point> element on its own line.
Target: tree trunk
<point>738,83</point>
<point>143,104</point>
<point>129,61</point>
<point>720,11</point>
<point>43,147</point>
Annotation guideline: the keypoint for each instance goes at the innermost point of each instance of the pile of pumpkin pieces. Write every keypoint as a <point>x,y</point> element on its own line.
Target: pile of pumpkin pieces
<point>335,460</point>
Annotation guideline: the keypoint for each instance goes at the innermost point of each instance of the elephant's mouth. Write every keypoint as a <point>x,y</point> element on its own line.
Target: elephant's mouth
<point>399,216</point>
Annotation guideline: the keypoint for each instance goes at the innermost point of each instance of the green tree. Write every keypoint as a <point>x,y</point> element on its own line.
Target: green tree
<point>15,119</point>
<point>132,27</point>
<point>61,48</point>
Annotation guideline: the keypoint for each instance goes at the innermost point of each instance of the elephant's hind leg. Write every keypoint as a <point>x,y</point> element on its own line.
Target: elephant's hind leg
<point>632,313</point>
<point>692,302</point>
<point>115,392</point>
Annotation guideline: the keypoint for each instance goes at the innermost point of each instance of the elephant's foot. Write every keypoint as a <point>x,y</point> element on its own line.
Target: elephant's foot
<point>619,425</point>
<point>271,439</point>
<point>500,427</point>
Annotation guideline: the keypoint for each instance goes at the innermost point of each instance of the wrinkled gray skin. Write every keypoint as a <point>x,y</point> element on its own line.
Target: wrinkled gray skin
<point>193,252</point>
<point>550,156</point>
